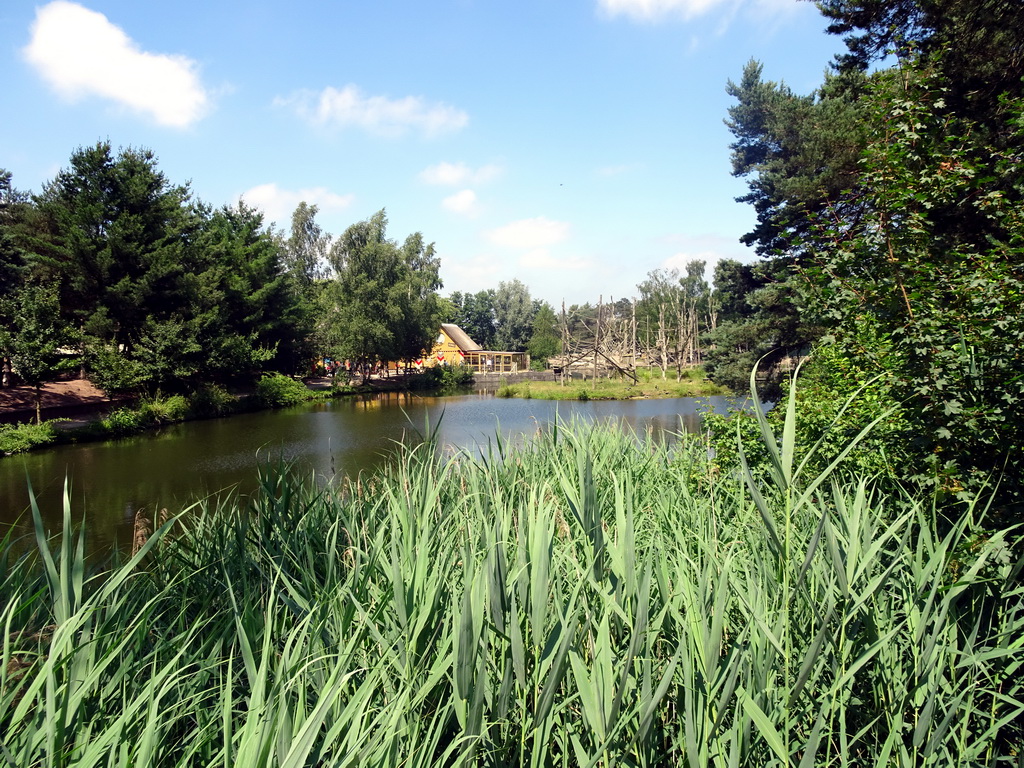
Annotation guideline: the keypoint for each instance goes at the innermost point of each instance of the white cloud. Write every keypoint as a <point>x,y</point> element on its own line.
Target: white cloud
<point>278,204</point>
<point>535,238</point>
<point>708,248</point>
<point>649,10</point>
<point>80,53</point>
<point>376,114</point>
<point>456,174</point>
<point>464,203</point>
<point>656,10</point>
<point>539,232</point>
<point>681,259</point>
<point>541,258</point>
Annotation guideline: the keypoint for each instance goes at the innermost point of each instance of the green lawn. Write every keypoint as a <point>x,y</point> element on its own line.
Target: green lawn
<point>693,384</point>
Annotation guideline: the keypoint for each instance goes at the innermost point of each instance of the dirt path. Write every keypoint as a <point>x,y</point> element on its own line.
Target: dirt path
<point>77,393</point>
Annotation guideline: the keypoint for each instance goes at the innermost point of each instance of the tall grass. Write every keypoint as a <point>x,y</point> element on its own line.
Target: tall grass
<point>592,598</point>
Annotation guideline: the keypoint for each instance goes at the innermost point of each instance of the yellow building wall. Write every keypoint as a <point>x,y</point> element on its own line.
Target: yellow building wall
<point>446,348</point>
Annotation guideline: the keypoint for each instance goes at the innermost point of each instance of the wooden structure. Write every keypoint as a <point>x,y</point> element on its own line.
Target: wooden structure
<point>455,347</point>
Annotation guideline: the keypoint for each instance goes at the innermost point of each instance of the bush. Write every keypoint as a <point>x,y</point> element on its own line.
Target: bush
<point>445,377</point>
<point>834,402</point>
<point>164,410</point>
<point>210,401</point>
<point>123,421</point>
<point>18,438</point>
<point>276,390</point>
<point>113,372</point>
<point>506,390</point>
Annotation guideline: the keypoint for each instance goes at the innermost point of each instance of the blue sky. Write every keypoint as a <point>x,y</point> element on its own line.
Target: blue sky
<point>575,145</point>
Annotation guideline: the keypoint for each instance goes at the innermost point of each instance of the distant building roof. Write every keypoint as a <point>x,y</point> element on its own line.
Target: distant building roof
<point>460,337</point>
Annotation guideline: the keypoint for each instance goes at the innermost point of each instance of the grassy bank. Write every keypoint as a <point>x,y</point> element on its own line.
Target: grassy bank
<point>650,385</point>
<point>587,599</point>
<point>271,391</point>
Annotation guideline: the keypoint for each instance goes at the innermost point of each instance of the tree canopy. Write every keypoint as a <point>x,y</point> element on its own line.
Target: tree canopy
<point>905,251</point>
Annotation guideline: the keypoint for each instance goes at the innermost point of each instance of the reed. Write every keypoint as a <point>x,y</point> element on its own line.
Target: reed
<point>589,598</point>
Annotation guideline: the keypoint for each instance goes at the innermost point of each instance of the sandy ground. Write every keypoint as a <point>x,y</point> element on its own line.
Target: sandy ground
<point>55,394</point>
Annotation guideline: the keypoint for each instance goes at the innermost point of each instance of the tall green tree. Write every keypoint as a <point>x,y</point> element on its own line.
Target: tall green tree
<point>798,154</point>
<point>474,313</point>
<point>363,318</point>
<point>545,338</point>
<point>513,316</point>
<point>13,267</point>
<point>306,247</point>
<point>927,286</point>
<point>12,260</point>
<point>35,342</point>
<point>661,300</point>
<point>383,301</point>
<point>418,298</point>
<point>912,263</point>
<point>121,237</point>
<point>245,306</point>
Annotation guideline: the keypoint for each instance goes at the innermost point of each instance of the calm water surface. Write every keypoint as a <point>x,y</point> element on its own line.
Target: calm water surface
<point>175,466</point>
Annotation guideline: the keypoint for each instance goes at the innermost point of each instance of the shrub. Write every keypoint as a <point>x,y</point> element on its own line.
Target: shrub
<point>18,438</point>
<point>506,390</point>
<point>210,401</point>
<point>445,377</point>
<point>164,410</point>
<point>113,372</point>
<point>276,390</point>
<point>123,421</point>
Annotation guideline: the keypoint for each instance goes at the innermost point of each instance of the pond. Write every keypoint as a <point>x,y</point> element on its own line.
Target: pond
<point>109,482</point>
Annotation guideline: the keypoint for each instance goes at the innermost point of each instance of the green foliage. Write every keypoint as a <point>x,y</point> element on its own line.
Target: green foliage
<point>474,313</point>
<point>834,403</point>
<point>277,390</point>
<point>248,314</point>
<point>210,401</point>
<point>513,316</point>
<point>306,248</point>
<point>19,438</point>
<point>36,336</point>
<point>113,372</point>
<point>545,340</point>
<point>895,202</point>
<point>759,323</point>
<point>975,42</point>
<point>164,410</point>
<point>798,153</point>
<point>444,377</point>
<point>165,292</point>
<point>383,303</point>
<point>934,271</point>
<point>122,422</point>
<point>120,236</point>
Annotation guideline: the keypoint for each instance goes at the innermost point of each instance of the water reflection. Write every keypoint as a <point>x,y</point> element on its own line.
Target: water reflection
<point>171,468</point>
